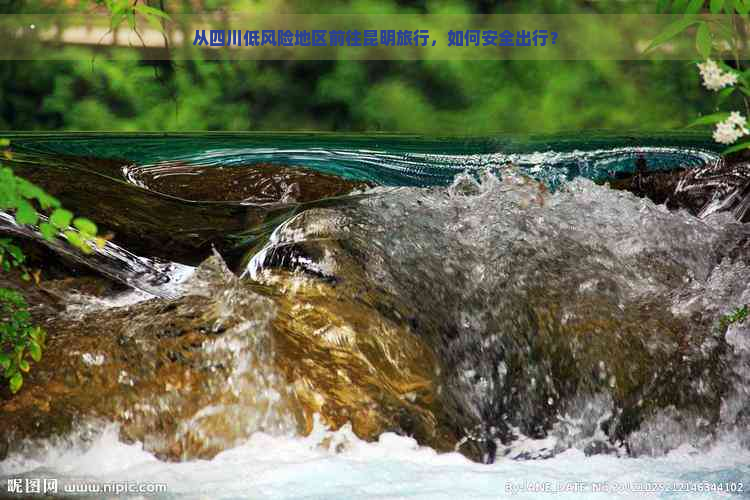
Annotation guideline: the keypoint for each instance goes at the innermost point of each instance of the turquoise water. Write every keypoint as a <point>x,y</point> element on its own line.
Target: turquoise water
<point>391,160</point>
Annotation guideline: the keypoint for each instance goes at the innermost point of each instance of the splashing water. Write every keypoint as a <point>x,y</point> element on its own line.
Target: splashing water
<point>560,309</point>
<point>393,467</point>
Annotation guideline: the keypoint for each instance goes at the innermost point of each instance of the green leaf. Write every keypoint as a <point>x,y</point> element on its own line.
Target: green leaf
<point>27,189</point>
<point>85,226</point>
<point>35,335</point>
<point>742,6</point>
<point>694,7</point>
<point>703,41</point>
<point>61,218</point>
<point>48,230</point>
<point>118,6</point>
<point>116,20</point>
<point>24,366</point>
<point>678,7</point>
<point>151,11</point>
<point>671,31</point>
<point>4,143</point>
<point>8,191</point>
<point>36,351</point>
<point>31,191</point>
<point>4,361</point>
<point>16,253</point>
<point>117,11</point>
<point>724,94</point>
<point>15,383</point>
<point>716,6</point>
<point>737,147</point>
<point>726,31</point>
<point>18,353</point>
<point>47,201</point>
<point>75,239</point>
<point>154,22</point>
<point>661,6</point>
<point>726,67</point>
<point>710,119</point>
<point>729,7</point>
<point>26,214</point>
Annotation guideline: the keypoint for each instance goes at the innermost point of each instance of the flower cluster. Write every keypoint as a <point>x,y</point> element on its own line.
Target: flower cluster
<point>731,129</point>
<point>714,78</point>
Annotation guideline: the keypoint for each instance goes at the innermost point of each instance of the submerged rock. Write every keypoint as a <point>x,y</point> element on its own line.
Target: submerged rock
<point>531,302</point>
<point>155,213</point>
<point>188,378</point>
<point>251,183</point>
<point>723,186</point>
<point>194,376</point>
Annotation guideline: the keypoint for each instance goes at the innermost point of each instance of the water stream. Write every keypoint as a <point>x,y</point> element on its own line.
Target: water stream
<point>518,309</point>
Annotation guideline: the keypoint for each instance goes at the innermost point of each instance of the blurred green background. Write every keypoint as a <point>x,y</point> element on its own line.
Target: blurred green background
<point>432,97</point>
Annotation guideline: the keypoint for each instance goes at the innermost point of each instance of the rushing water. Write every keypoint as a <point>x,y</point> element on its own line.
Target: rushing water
<point>184,192</point>
<point>384,159</point>
<point>484,246</point>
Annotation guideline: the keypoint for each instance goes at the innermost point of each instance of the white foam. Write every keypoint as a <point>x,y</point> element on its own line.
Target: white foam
<point>339,465</point>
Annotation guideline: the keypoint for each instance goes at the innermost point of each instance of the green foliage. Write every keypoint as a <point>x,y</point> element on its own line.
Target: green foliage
<point>20,341</point>
<point>122,10</point>
<point>20,196</point>
<point>739,315</point>
<point>714,35</point>
<point>445,97</point>
<point>704,40</point>
<point>695,6</point>
<point>11,256</point>
<point>710,119</point>
<point>671,31</point>
<point>432,97</point>
<point>708,31</point>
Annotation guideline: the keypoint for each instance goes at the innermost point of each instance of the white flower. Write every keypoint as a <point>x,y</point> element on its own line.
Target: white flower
<point>714,78</point>
<point>736,119</point>
<point>731,129</point>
